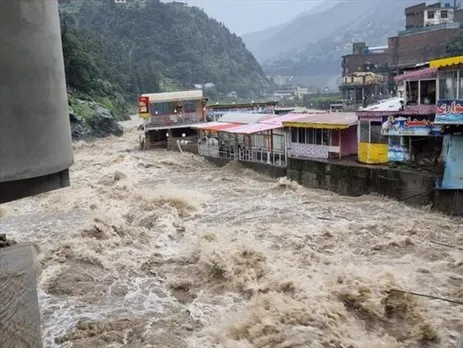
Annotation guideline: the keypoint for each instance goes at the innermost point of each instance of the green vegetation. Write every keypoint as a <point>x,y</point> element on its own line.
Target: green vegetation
<point>87,76</point>
<point>455,47</point>
<point>114,52</point>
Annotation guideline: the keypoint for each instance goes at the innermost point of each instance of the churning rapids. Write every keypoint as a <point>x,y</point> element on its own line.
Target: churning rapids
<point>162,249</point>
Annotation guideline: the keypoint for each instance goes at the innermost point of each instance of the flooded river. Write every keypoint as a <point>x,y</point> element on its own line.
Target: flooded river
<point>162,249</point>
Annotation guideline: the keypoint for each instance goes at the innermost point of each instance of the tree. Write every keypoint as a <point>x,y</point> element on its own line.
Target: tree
<point>139,46</point>
<point>455,46</point>
<point>80,66</point>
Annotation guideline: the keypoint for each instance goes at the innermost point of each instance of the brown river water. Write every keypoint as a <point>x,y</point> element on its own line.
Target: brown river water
<point>163,249</point>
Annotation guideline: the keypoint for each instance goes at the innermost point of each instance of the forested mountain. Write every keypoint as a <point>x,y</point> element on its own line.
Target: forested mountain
<point>148,46</point>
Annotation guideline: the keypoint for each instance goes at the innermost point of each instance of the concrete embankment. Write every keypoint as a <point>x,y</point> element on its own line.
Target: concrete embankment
<point>351,179</point>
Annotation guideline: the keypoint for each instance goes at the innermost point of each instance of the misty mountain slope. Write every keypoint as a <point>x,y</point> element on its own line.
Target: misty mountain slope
<point>346,19</point>
<point>254,39</point>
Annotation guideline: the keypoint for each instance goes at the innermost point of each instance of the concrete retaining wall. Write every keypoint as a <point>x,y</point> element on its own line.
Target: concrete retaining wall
<point>413,188</point>
<point>449,201</point>
<point>350,180</point>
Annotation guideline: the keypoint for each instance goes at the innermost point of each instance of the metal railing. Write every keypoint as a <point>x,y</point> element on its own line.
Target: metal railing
<point>255,155</point>
<point>174,120</point>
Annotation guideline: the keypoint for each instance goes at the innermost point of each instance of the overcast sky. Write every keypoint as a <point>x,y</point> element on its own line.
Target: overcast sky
<point>244,16</point>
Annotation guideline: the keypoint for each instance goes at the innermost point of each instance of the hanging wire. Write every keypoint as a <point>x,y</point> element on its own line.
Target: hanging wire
<point>446,245</point>
<point>425,295</point>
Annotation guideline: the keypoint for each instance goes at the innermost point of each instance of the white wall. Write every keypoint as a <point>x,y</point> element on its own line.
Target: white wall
<point>438,16</point>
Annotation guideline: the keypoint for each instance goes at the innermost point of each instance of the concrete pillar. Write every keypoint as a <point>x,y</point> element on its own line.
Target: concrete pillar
<point>19,310</point>
<point>35,137</point>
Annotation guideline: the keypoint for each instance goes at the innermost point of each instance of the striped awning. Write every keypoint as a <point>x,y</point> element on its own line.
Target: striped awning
<point>253,128</point>
<point>428,73</point>
<point>216,126</point>
<point>445,62</point>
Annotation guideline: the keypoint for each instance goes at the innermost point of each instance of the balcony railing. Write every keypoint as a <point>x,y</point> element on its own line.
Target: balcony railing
<point>276,158</point>
<point>174,120</point>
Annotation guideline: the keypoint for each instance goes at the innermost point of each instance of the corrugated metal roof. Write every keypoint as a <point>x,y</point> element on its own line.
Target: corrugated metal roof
<point>217,126</point>
<point>253,128</point>
<point>327,121</point>
<point>278,120</point>
<point>243,117</point>
<point>428,73</point>
<point>175,96</point>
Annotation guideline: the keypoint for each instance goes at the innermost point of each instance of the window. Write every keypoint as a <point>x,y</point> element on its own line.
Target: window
<point>365,131</point>
<point>444,14</point>
<point>427,92</point>
<point>460,78</point>
<point>318,136</point>
<point>162,108</point>
<point>412,93</point>
<point>189,106</point>
<point>376,136</point>
<point>430,14</point>
<point>310,136</point>
<point>302,135</point>
<point>294,133</point>
<point>448,85</point>
<point>325,137</point>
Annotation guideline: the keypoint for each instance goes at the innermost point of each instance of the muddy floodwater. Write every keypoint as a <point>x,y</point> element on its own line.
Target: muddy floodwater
<point>163,249</point>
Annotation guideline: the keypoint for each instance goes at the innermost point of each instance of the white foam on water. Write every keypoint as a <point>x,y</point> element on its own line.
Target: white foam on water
<point>162,249</point>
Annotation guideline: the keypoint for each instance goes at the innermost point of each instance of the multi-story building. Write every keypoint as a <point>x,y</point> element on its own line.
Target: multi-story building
<point>364,76</point>
<point>428,30</point>
<point>450,116</point>
<point>170,114</point>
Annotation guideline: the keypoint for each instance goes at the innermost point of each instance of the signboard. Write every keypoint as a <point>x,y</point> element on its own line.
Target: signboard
<point>397,153</point>
<point>144,107</point>
<point>449,112</point>
<point>402,126</point>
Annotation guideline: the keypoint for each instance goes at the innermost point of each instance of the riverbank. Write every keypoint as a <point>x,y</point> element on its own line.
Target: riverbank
<point>96,117</point>
<point>355,179</point>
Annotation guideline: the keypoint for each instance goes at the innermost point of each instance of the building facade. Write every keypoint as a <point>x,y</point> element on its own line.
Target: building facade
<point>450,116</point>
<point>428,30</point>
<point>170,114</point>
<point>322,136</point>
<point>365,76</point>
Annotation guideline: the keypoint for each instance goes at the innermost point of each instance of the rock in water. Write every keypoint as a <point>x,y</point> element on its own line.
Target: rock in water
<point>79,131</point>
<point>104,124</point>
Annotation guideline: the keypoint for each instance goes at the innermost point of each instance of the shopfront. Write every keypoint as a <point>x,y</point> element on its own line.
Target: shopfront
<point>450,116</point>
<point>372,145</point>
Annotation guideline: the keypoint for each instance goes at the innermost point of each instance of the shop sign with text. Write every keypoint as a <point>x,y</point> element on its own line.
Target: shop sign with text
<point>405,126</point>
<point>449,112</point>
<point>144,107</point>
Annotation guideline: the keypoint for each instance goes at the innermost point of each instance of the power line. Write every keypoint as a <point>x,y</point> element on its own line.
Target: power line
<point>425,295</point>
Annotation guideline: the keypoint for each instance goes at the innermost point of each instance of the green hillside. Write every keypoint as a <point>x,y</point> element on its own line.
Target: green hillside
<point>149,46</point>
